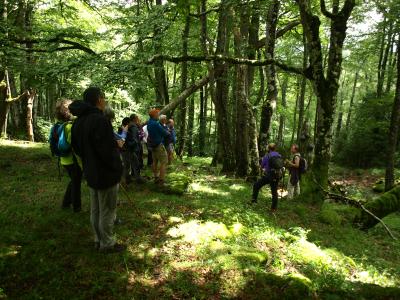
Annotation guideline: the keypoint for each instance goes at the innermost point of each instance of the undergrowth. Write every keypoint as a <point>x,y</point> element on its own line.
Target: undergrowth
<point>201,241</point>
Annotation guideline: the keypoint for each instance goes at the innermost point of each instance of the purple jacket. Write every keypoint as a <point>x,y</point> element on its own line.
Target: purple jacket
<point>265,160</point>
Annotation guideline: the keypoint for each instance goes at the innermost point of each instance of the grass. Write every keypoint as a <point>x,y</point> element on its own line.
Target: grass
<point>205,244</point>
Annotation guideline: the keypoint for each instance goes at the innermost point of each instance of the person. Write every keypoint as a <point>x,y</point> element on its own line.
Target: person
<point>145,140</point>
<point>157,134</point>
<point>134,146</point>
<point>93,141</point>
<point>125,151</point>
<point>294,172</point>
<point>271,175</point>
<point>72,195</point>
<point>171,141</point>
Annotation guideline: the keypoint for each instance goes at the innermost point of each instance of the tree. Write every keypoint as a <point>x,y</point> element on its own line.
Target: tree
<point>325,85</point>
<point>394,129</point>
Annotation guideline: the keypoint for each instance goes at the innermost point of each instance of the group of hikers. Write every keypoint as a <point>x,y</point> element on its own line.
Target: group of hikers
<point>84,140</point>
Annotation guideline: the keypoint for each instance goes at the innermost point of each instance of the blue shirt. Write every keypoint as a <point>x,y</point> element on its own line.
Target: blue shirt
<point>156,132</point>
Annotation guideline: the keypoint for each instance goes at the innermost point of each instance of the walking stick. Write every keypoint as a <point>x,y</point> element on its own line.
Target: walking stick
<point>283,181</point>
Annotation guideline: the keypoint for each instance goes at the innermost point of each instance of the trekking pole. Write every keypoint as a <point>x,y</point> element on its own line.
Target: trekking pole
<point>129,199</point>
<point>283,181</point>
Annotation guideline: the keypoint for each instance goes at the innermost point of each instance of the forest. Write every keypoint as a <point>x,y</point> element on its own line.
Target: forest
<point>234,76</point>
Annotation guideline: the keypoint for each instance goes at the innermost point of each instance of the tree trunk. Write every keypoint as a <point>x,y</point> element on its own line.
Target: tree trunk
<point>202,121</point>
<point>272,91</point>
<point>182,106</point>
<point>221,91</point>
<point>241,32</point>
<point>394,129</point>
<point>381,78</point>
<point>190,127</point>
<point>282,116</point>
<point>31,95</point>
<point>161,87</point>
<point>392,66</point>
<point>302,91</point>
<point>340,110</point>
<point>325,86</point>
<point>384,205</point>
<point>295,109</point>
<point>353,93</point>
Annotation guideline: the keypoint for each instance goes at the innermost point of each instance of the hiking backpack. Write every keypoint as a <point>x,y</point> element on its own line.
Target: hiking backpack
<point>303,165</point>
<point>59,145</point>
<point>276,166</point>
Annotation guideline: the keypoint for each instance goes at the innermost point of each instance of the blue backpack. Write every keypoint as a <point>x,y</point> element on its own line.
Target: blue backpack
<point>59,145</point>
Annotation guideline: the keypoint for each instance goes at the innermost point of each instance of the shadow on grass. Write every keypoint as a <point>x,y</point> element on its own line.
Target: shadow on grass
<point>198,245</point>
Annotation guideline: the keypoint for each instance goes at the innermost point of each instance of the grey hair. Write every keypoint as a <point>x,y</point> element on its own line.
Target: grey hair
<point>162,117</point>
<point>109,113</point>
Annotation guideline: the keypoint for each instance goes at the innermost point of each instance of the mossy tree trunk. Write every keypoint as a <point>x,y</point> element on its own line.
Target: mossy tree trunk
<point>222,88</point>
<point>325,85</point>
<point>269,103</point>
<point>384,205</point>
<point>184,75</point>
<point>240,32</point>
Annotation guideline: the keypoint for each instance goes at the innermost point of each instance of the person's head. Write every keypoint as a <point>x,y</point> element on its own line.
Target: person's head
<point>171,123</point>
<point>153,113</point>
<point>294,148</point>
<point>95,97</point>
<point>134,118</point>
<point>126,121</point>
<point>62,112</point>
<point>109,113</point>
<point>271,147</point>
<point>163,119</point>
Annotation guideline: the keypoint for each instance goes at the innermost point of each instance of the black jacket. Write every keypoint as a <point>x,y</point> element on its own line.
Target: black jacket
<point>133,139</point>
<point>93,141</point>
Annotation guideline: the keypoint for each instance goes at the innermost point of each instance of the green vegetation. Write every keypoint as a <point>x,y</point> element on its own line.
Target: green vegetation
<point>205,244</point>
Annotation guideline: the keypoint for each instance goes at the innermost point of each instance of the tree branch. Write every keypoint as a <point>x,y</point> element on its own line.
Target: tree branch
<point>15,99</point>
<point>232,61</point>
<point>325,12</point>
<point>280,32</point>
<point>185,94</point>
<point>74,45</point>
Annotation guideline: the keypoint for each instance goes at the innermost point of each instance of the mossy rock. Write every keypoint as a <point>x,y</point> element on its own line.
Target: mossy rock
<point>329,216</point>
<point>379,186</point>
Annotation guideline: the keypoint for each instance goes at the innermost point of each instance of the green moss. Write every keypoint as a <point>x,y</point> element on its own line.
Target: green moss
<point>329,216</point>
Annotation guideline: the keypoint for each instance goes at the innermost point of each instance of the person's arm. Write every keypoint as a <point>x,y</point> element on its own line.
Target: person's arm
<point>163,132</point>
<point>296,163</point>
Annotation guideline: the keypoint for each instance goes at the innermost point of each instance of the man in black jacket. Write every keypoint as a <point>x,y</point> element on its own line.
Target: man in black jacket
<point>93,141</point>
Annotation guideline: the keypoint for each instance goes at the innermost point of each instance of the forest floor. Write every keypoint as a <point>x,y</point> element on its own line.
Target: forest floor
<point>205,244</point>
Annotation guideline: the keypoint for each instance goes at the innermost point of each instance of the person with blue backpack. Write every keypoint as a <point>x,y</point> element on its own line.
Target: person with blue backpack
<point>60,144</point>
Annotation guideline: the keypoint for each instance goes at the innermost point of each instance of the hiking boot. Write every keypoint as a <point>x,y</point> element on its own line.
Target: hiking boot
<point>117,248</point>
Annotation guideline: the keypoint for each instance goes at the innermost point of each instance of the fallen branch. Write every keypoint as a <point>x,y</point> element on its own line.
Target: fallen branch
<point>353,202</point>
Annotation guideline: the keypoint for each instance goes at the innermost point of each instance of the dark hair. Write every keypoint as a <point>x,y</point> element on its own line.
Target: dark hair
<point>272,147</point>
<point>126,121</point>
<point>62,111</point>
<point>92,95</point>
<point>133,117</point>
<point>296,147</point>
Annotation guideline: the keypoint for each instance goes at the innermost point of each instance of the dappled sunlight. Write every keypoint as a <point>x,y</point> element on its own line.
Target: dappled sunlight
<point>197,187</point>
<point>12,250</point>
<point>196,232</point>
